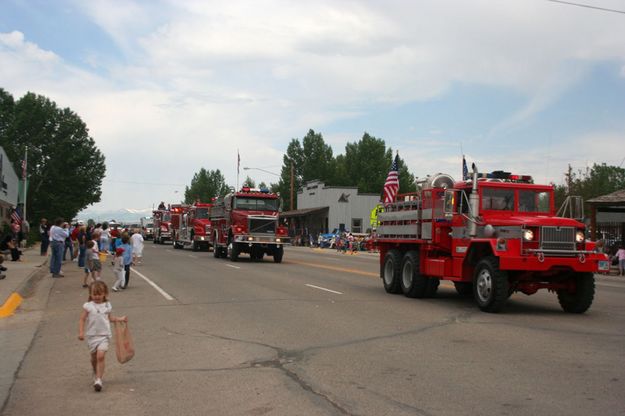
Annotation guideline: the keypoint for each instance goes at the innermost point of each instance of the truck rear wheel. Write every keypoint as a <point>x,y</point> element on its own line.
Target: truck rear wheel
<point>391,272</point>
<point>490,285</point>
<point>581,299</point>
<point>412,282</point>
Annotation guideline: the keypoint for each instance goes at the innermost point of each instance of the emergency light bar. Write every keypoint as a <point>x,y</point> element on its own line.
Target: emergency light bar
<point>506,176</point>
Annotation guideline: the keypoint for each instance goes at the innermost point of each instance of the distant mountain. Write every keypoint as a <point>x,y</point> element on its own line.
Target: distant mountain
<point>124,215</point>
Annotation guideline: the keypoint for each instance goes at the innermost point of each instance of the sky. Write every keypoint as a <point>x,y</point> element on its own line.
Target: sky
<point>167,87</point>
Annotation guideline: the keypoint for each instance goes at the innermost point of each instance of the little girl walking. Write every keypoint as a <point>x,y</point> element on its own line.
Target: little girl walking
<point>118,270</point>
<point>96,318</point>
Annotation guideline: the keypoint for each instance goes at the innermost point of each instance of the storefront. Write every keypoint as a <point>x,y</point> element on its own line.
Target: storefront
<point>8,189</point>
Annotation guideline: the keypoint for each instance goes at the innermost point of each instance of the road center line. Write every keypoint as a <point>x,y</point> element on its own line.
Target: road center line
<point>154,285</point>
<point>234,267</point>
<point>323,288</point>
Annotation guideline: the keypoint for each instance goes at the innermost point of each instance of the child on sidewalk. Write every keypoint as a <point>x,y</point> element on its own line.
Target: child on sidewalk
<point>96,318</point>
<point>88,263</point>
<point>118,269</point>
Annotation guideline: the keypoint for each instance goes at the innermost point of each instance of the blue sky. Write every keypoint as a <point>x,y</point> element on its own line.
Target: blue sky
<point>167,87</point>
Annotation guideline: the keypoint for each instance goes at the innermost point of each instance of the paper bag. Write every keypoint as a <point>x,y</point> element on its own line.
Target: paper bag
<point>124,348</point>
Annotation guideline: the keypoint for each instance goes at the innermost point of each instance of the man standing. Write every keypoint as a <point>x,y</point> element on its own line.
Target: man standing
<point>58,234</point>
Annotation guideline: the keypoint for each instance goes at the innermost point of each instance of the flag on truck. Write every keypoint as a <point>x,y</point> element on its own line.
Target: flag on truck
<point>15,216</point>
<point>465,170</point>
<point>391,186</point>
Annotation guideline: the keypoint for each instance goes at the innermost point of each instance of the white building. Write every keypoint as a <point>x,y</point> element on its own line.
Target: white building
<point>9,184</point>
<point>322,209</point>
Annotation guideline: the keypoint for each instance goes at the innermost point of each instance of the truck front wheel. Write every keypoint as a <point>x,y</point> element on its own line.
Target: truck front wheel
<point>413,283</point>
<point>233,251</point>
<point>581,299</point>
<point>490,285</point>
<point>391,272</point>
<point>278,252</point>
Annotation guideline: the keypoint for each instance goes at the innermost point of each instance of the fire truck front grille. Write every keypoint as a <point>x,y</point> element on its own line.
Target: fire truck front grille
<point>262,225</point>
<point>558,238</point>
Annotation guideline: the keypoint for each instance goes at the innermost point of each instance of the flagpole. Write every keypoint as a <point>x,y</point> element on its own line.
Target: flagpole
<point>238,168</point>
<point>24,177</point>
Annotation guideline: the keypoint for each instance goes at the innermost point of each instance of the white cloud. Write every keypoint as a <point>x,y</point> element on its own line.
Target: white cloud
<point>199,80</point>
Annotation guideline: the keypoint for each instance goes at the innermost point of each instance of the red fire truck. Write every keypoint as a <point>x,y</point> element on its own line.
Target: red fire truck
<point>247,222</point>
<point>162,226</point>
<point>492,235</point>
<point>193,227</point>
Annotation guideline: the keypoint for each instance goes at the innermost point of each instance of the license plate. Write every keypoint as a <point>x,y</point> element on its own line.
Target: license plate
<point>604,265</point>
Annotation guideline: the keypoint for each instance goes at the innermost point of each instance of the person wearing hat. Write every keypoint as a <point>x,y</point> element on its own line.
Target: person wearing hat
<point>118,269</point>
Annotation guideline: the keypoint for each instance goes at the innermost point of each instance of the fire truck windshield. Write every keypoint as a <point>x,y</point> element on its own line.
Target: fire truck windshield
<point>534,201</point>
<point>201,213</point>
<point>256,204</point>
<point>498,199</point>
<point>166,217</point>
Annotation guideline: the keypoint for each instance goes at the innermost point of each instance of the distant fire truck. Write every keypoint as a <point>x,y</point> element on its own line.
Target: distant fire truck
<point>493,235</point>
<point>192,227</point>
<point>162,226</point>
<point>247,222</point>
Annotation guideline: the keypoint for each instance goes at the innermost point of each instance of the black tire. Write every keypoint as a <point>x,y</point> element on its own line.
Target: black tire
<point>464,289</point>
<point>581,299</point>
<point>490,285</point>
<point>233,251</point>
<point>413,283</point>
<point>432,287</point>
<point>390,272</point>
<point>277,254</point>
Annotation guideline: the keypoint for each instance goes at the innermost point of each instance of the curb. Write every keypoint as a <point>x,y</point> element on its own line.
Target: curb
<point>24,290</point>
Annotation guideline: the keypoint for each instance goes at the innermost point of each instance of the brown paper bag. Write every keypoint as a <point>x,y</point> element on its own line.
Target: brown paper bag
<point>124,348</point>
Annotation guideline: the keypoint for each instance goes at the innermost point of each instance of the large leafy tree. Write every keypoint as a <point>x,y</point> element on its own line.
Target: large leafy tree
<point>593,182</point>
<point>205,185</point>
<point>65,168</point>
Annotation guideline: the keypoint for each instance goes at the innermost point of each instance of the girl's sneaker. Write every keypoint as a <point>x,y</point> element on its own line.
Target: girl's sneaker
<point>114,289</point>
<point>97,386</point>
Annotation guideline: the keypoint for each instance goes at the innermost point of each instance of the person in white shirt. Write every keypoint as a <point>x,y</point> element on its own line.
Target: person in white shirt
<point>136,241</point>
<point>58,233</point>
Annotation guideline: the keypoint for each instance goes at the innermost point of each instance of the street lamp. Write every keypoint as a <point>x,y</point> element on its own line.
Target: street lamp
<point>271,173</point>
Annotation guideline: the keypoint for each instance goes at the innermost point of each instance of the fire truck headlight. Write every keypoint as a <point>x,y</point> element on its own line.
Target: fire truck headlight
<point>250,238</point>
<point>579,236</point>
<point>528,235</point>
<point>278,240</point>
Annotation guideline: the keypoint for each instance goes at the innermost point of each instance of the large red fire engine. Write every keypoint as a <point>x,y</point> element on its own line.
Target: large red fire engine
<point>162,226</point>
<point>192,227</point>
<point>492,235</point>
<point>247,222</point>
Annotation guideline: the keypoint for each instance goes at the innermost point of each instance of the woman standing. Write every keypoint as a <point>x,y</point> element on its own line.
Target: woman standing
<point>44,229</point>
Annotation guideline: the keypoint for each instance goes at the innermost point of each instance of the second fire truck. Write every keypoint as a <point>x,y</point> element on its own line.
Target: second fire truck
<point>247,222</point>
<point>162,226</point>
<point>193,227</point>
<point>492,235</point>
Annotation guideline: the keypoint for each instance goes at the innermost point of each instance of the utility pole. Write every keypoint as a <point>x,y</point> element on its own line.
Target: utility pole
<point>292,184</point>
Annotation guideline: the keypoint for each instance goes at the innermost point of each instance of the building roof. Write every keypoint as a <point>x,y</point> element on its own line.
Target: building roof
<point>303,212</point>
<point>615,198</point>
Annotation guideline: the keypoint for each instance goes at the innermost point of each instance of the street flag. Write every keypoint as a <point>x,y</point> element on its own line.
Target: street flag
<point>465,170</point>
<point>15,216</point>
<point>391,186</point>
<point>238,161</point>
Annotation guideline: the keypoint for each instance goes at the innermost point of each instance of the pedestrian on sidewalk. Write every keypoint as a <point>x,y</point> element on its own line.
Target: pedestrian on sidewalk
<point>89,263</point>
<point>58,234</point>
<point>136,241</point>
<point>118,270</point>
<point>127,258</point>
<point>95,323</point>
<point>620,255</point>
<point>9,244</point>
<point>44,231</point>
<point>81,238</point>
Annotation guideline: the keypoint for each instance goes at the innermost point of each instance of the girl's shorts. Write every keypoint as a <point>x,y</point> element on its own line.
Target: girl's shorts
<point>98,343</point>
<point>96,266</point>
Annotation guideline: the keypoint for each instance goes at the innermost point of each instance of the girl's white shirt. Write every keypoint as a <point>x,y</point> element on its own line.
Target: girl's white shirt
<point>98,323</point>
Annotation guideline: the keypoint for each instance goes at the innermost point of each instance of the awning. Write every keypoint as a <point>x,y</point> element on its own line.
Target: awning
<point>303,212</point>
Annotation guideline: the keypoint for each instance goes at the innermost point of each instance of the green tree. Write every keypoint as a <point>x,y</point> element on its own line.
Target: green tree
<point>65,168</point>
<point>249,182</point>
<point>593,182</point>
<point>205,185</point>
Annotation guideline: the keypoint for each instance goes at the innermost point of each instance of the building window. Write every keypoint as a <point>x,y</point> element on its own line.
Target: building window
<point>356,225</point>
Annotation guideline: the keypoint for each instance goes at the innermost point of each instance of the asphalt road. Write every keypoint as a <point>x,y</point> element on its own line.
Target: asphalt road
<point>317,335</point>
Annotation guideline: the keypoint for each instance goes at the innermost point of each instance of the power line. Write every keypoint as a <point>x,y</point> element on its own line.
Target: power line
<point>587,6</point>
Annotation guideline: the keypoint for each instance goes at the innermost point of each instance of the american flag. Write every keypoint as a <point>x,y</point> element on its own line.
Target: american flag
<point>238,161</point>
<point>465,170</point>
<point>391,186</point>
<point>15,216</point>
